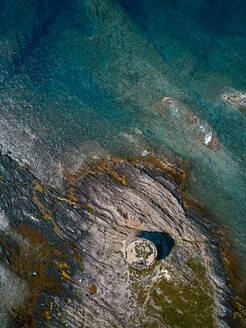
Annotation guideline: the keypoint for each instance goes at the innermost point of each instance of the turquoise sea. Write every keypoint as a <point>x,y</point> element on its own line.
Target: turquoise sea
<point>83,79</point>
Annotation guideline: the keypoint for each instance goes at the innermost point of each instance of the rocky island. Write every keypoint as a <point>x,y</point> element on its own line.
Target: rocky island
<point>65,253</point>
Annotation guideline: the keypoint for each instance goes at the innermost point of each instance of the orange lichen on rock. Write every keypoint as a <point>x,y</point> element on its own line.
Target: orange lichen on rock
<point>89,208</point>
<point>69,201</point>
<point>72,197</point>
<point>47,313</point>
<point>236,315</point>
<point>93,289</point>
<point>102,164</point>
<point>116,176</point>
<point>38,187</point>
<point>106,167</point>
<point>92,172</point>
<point>47,216</point>
<point>34,198</point>
<point>66,275</point>
<point>62,266</point>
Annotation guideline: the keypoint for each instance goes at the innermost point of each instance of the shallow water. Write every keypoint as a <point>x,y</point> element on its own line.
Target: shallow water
<point>83,79</point>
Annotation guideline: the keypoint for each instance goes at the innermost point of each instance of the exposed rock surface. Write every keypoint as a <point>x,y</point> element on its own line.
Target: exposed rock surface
<point>237,99</point>
<point>67,250</point>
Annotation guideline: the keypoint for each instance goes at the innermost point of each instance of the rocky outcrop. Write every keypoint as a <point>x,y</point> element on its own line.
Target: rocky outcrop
<point>67,252</point>
<point>237,99</point>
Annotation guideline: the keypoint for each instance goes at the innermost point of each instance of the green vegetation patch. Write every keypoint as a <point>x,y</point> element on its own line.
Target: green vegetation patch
<point>197,267</point>
<point>175,303</point>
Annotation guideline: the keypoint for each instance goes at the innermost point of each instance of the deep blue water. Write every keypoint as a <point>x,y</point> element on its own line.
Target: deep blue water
<point>83,79</point>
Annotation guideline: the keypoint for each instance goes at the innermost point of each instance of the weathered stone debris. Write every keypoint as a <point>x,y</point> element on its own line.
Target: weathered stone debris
<point>67,250</point>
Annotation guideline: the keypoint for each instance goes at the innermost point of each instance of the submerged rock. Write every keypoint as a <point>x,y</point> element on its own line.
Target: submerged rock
<point>190,125</point>
<point>75,240</point>
<point>237,99</point>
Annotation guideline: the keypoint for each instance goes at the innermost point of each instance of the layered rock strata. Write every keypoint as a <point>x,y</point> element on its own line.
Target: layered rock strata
<point>67,252</point>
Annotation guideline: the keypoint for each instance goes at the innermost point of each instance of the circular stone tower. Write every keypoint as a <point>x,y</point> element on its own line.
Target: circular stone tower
<point>141,253</point>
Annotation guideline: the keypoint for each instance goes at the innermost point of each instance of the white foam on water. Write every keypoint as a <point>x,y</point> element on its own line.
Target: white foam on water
<point>208,138</point>
<point>145,153</point>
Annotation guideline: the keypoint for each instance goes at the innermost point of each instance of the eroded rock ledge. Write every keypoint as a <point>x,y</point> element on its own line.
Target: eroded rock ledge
<point>66,252</point>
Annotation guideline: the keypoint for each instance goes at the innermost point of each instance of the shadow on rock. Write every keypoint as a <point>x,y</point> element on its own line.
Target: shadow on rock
<point>162,241</point>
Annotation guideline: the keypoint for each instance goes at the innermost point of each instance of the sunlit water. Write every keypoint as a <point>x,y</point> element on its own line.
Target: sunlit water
<point>89,78</point>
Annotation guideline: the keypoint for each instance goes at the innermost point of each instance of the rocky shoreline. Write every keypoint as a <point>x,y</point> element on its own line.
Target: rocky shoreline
<point>62,252</point>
